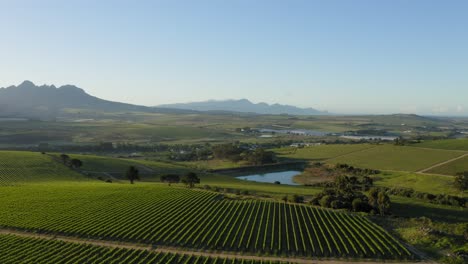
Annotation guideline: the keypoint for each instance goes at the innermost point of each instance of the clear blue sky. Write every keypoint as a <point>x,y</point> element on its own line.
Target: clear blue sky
<point>342,56</point>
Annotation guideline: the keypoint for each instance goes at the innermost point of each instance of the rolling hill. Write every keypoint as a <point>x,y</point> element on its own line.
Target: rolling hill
<point>18,167</point>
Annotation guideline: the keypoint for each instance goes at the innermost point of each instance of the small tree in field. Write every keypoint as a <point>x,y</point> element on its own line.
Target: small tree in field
<point>65,158</point>
<point>298,199</point>
<point>373,197</point>
<point>190,179</point>
<point>461,181</point>
<point>76,163</point>
<point>133,174</point>
<point>170,178</point>
<point>383,202</point>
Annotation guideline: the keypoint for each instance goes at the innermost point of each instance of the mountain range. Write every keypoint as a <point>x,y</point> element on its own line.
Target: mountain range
<point>48,102</point>
<point>245,106</point>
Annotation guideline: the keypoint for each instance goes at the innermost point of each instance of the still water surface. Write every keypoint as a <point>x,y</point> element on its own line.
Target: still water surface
<point>284,177</point>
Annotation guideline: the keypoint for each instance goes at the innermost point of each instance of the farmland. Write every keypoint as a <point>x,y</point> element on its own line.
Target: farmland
<point>388,157</point>
<point>20,167</point>
<point>15,249</point>
<point>321,152</point>
<point>449,144</point>
<point>436,184</point>
<point>210,222</point>
<point>451,168</point>
<point>223,215</point>
<point>82,127</point>
<point>117,166</point>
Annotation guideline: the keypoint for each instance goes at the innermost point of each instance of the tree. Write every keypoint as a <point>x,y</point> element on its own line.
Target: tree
<point>76,163</point>
<point>170,178</point>
<point>325,201</point>
<point>343,183</point>
<point>373,197</point>
<point>367,180</point>
<point>133,174</point>
<point>399,141</point>
<point>360,206</point>
<point>461,181</point>
<point>231,151</point>
<point>260,156</point>
<point>356,204</point>
<point>298,199</point>
<point>65,158</point>
<point>190,179</point>
<point>383,202</point>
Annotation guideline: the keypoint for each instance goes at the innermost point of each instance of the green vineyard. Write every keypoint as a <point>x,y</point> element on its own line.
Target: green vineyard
<point>15,249</point>
<point>161,215</point>
<point>18,167</point>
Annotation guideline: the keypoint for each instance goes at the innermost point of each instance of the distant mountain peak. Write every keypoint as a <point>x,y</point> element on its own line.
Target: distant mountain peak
<point>71,88</point>
<point>245,106</point>
<point>26,84</point>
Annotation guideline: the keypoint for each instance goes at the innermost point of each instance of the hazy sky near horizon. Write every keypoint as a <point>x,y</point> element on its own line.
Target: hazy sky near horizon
<point>355,56</point>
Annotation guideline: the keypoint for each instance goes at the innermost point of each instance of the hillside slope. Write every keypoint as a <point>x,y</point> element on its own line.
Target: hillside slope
<point>18,167</point>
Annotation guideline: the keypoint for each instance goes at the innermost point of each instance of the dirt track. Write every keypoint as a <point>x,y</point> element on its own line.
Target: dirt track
<point>442,163</point>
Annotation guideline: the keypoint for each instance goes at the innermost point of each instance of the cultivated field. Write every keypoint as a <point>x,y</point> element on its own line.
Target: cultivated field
<point>451,168</point>
<point>14,249</point>
<point>20,167</point>
<point>84,127</point>
<point>321,152</point>
<point>435,184</point>
<point>450,144</point>
<point>172,216</point>
<point>388,157</point>
<point>120,165</point>
<point>62,202</point>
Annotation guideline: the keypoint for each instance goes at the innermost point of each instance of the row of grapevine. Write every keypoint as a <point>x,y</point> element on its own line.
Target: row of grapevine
<point>203,220</point>
<point>14,249</point>
<point>21,166</point>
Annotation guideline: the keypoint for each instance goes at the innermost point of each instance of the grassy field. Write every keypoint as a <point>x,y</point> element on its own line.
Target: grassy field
<point>437,243</point>
<point>435,184</point>
<point>450,144</point>
<point>151,213</point>
<point>213,164</point>
<point>320,152</point>
<point>452,168</point>
<point>389,157</point>
<point>120,165</point>
<point>151,171</point>
<point>414,208</point>
<point>20,167</point>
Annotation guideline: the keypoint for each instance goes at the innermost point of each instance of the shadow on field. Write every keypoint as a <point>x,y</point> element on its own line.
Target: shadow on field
<point>447,214</point>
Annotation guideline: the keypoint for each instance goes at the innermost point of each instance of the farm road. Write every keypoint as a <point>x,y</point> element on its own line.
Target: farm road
<point>442,163</point>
